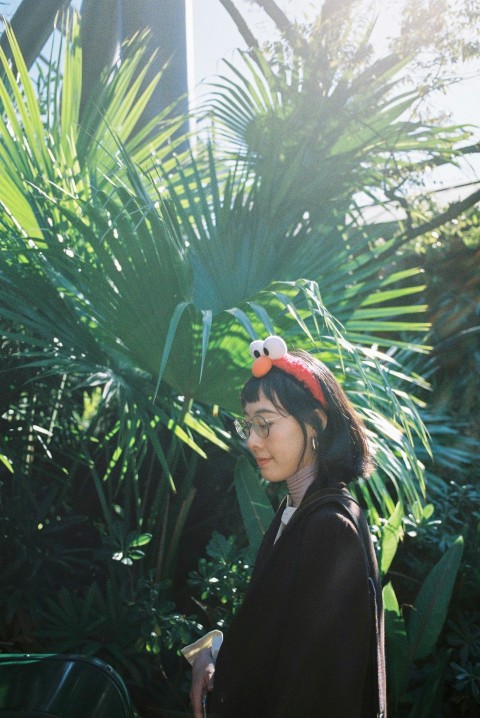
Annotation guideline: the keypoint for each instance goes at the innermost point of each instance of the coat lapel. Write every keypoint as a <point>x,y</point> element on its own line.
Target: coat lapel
<point>267,545</point>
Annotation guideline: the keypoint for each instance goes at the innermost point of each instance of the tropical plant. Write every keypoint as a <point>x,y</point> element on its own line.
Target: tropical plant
<point>199,297</point>
<point>221,580</point>
<point>132,279</point>
<point>432,641</point>
<point>413,642</point>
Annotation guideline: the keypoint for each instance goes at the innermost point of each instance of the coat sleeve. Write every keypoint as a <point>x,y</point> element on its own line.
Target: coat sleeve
<point>322,664</point>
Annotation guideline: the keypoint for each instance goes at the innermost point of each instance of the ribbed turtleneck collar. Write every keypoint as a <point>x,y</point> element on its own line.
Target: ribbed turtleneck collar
<point>299,483</point>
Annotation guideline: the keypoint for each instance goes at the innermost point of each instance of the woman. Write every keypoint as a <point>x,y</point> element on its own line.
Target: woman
<point>308,639</point>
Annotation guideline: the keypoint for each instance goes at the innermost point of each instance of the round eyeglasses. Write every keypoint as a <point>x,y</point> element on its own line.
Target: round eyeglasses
<point>260,426</point>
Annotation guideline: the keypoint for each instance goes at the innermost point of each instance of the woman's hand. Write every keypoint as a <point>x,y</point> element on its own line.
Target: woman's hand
<point>202,680</point>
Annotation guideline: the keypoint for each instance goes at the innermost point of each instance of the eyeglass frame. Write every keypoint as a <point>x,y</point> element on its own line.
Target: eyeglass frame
<point>259,424</point>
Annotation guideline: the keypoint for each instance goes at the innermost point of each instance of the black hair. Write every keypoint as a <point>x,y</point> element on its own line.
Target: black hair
<point>343,452</point>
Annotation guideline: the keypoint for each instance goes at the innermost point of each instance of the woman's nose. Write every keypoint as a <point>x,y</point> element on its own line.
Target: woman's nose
<point>253,440</point>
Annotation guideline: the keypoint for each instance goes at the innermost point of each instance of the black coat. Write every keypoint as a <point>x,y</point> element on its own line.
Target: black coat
<point>302,645</point>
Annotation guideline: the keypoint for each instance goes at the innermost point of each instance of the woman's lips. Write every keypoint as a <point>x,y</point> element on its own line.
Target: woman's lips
<point>262,462</point>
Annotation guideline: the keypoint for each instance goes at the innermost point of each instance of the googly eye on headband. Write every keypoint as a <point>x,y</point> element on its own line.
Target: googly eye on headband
<point>273,352</point>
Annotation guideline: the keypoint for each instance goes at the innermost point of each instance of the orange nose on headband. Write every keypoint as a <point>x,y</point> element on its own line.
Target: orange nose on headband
<point>273,352</point>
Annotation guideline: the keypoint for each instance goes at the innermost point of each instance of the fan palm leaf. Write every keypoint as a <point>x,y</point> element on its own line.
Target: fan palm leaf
<point>150,276</point>
<point>332,141</point>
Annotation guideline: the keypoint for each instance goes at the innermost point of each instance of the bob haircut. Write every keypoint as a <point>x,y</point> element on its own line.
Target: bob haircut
<point>343,453</point>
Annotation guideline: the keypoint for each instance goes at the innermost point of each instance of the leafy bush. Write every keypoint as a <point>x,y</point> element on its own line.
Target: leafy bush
<point>445,681</point>
<point>221,579</point>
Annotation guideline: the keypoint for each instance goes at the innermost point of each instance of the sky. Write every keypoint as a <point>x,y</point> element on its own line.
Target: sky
<point>212,36</point>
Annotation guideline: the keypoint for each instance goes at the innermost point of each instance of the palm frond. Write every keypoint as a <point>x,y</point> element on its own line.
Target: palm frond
<point>151,280</point>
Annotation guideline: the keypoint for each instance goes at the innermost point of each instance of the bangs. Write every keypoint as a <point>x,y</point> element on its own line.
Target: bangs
<point>274,385</point>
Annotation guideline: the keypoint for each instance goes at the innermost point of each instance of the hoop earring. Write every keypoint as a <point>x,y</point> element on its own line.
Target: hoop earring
<point>314,444</point>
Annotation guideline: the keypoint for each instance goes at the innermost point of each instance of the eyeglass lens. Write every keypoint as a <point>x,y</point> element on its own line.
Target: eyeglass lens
<point>258,424</point>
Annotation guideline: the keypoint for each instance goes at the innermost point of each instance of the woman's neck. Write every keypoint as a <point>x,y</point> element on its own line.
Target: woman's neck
<point>300,481</point>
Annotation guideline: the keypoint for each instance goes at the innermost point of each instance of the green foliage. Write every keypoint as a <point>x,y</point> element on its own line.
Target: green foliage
<point>427,618</point>
<point>463,640</point>
<point>115,621</point>
<point>397,648</point>
<point>411,641</point>
<point>120,263</point>
<point>392,532</point>
<point>131,281</point>
<point>221,579</point>
<point>75,582</point>
<point>449,259</point>
<point>432,661</point>
<point>257,512</point>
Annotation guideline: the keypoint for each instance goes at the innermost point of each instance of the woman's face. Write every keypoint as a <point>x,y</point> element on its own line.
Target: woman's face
<point>279,455</point>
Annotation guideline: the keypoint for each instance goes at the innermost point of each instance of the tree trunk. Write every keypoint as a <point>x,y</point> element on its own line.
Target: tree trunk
<point>101,39</point>
<point>105,24</point>
<point>33,23</point>
<point>166,21</point>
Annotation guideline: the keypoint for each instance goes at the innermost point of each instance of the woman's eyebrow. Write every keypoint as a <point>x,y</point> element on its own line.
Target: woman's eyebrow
<point>263,411</point>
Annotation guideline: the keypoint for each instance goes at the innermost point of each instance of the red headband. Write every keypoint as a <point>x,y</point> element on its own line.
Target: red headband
<point>273,352</point>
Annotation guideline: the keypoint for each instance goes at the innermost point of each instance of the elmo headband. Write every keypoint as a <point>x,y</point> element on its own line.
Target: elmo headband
<point>273,352</point>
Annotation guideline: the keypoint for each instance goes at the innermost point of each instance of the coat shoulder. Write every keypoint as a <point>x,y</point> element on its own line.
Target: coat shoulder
<point>332,517</point>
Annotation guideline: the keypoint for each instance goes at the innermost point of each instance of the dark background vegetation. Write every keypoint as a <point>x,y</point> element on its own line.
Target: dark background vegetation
<point>134,273</point>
